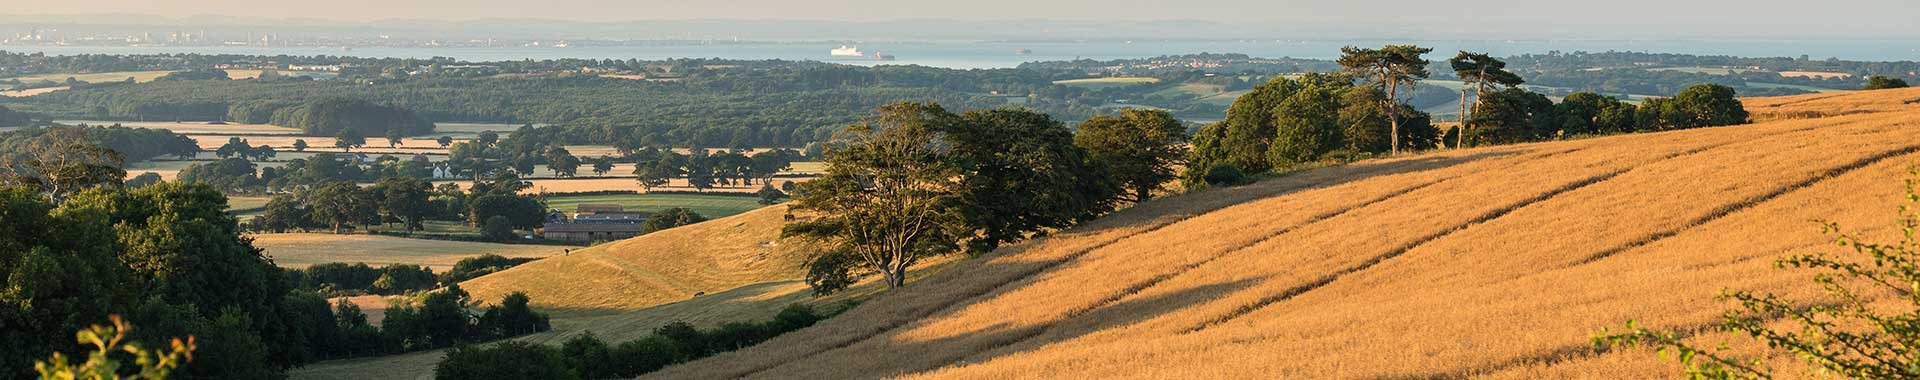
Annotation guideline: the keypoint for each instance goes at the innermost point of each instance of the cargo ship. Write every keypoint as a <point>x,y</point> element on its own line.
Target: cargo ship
<point>848,51</point>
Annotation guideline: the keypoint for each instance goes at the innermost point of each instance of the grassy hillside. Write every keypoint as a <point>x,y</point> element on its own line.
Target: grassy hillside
<point>1484,263</point>
<point>658,268</point>
<point>621,291</point>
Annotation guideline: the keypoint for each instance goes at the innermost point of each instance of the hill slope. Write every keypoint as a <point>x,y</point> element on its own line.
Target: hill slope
<point>622,290</point>
<point>658,268</point>
<point>1483,263</point>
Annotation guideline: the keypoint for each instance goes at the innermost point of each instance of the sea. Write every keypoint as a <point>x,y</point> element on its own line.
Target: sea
<point>1005,54</point>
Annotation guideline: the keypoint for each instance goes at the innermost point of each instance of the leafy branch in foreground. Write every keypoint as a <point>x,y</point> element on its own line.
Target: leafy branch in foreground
<point>152,364</point>
<point>1846,334</point>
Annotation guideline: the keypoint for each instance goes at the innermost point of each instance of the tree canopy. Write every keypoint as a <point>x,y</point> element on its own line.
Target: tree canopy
<point>1139,147</point>
<point>329,116</point>
<point>919,181</point>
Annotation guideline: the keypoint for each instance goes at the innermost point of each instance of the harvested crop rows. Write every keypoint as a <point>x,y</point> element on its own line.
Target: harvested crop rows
<point>1495,262</point>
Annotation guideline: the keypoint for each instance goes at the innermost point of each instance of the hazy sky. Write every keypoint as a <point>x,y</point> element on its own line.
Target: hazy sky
<point>1720,17</point>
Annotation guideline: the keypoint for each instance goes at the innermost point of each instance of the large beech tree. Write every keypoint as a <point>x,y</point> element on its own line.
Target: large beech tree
<point>918,181</point>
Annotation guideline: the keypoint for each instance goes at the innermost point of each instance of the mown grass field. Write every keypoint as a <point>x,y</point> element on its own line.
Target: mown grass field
<point>1493,263</point>
<point>115,76</point>
<point>1100,83</point>
<point>196,127</point>
<point>30,92</point>
<point>1792,86</point>
<point>238,202</point>
<point>169,170</point>
<point>299,250</point>
<point>1705,70</point>
<point>710,206</point>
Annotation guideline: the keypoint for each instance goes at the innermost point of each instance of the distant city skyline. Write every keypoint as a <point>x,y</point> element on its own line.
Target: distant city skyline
<point>1379,18</point>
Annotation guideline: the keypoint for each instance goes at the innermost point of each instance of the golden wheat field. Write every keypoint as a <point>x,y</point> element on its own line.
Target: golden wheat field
<point>724,270</point>
<point>667,266</point>
<point>1483,263</point>
<point>30,92</point>
<point>195,127</point>
<point>298,250</point>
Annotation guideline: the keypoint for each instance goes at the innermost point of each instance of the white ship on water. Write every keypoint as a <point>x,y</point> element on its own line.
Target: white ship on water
<point>848,51</point>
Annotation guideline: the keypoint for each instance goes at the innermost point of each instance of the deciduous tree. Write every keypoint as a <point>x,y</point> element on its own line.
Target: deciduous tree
<point>342,203</point>
<point>348,139</point>
<point>1140,148</point>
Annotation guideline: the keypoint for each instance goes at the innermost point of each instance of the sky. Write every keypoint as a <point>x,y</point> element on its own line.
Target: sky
<point>1855,18</point>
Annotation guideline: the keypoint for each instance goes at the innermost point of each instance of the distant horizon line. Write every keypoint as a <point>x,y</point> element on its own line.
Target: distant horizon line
<point>1211,29</point>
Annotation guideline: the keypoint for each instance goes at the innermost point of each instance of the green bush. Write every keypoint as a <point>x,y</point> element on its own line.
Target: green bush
<point>472,267</point>
<point>640,356</point>
<point>512,317</point>
<point>498,229</point>
<point>1881,83</point>
<point>1225,174</point>
<point>588,357</point>
<point>511,360</point>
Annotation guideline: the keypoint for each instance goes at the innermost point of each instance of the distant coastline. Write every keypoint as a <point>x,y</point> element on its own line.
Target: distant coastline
<point>981,54</point>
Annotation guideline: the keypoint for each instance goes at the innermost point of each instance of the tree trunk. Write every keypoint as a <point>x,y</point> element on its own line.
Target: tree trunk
<point>1393,116</point>
<point>336,228</point>
<point>896,278</point>
<point>1460,132</point>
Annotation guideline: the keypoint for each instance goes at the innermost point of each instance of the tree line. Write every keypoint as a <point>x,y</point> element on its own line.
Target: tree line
<point>586,357</point>
<point>331,116</point>
<point>1288,122</point>
<point>132,144</point>
<point>80,246</point>
<point>920,181</point>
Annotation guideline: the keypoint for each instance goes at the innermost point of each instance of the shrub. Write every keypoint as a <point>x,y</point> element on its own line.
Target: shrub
<point>688,342</point>
<point>1225,174</point>
<point>471,267</point>
<point>1881,83</point>
<point>143,180</point>
<point>511,360</point>
<point>636,357</point>
<point>512,317</point>
<point>402,279</point>
<point>151,364</point>
<point>588,357</point>
<point>670,218</point>
<point>498,229</point>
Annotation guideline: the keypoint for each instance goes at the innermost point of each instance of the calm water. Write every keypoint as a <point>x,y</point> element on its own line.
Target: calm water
<point>996,54</point>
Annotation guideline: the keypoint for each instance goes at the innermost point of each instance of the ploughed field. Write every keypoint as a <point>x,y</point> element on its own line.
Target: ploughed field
<point>1496,262</point>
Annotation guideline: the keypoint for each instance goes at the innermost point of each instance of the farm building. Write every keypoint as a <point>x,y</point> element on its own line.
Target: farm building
<point>596,222</point>
<point>602,213</point>
<point>590,232</point>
